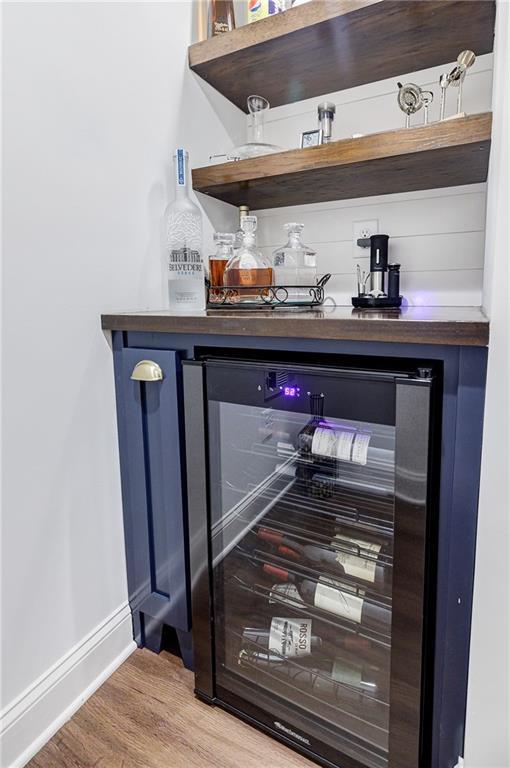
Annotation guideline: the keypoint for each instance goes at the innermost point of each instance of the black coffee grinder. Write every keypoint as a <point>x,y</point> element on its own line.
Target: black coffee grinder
<point>381,286</point>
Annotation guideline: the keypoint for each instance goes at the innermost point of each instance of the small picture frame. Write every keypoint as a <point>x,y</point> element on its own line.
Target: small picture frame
<point>311,138</point>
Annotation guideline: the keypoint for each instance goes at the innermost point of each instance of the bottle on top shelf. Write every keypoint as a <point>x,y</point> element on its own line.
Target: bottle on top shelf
<point>347,556</point>
<point>260,9</point>
<point>221,17</point>
<point>330,596</point>
<point>183,277</point>
<point>248,269</point>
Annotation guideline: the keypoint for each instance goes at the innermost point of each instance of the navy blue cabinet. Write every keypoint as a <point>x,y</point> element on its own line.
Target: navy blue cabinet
<point>152,464</point>
<point>151,437</point>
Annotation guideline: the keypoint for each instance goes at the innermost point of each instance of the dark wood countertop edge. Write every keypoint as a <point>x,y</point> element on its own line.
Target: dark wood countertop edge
<point>445,333</point>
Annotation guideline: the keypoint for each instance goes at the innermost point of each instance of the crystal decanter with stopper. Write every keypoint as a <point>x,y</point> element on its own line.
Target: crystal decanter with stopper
<point>218,261</point>
<point>249,269</point>
<point>238,236</point>
<point>295,264</point>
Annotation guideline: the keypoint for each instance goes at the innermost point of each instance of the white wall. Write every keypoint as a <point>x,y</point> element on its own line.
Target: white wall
<point>95,98</point>
<point>488,712</point>
<point>436,235</point>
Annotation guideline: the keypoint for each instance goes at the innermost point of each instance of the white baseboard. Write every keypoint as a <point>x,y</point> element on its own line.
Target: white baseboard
<point>29,721</point>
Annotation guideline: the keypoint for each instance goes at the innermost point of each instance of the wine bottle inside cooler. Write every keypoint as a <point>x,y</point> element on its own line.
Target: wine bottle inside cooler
<point>347,556</point>
<point>303,637</point>
<point>284,638</point>
<point>333,680</point>
<point>333,597</point>
<point>305,470</point>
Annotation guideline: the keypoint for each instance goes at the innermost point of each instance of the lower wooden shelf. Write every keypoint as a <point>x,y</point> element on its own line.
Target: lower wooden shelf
<point>443,154</point>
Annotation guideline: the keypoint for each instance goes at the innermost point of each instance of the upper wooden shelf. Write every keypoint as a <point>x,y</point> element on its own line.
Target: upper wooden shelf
<point>445,154</point>
<point>329,45</point>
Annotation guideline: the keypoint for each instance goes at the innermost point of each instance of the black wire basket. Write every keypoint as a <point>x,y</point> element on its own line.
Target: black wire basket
<point>266,296</point>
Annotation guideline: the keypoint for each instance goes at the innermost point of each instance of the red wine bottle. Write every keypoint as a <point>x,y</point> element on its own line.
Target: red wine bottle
<point>334,680</point>
<point>350,557</point>
<point>285,638</point>
<point>305,469</point>
<point>329,596</point>
<point>297,639</point>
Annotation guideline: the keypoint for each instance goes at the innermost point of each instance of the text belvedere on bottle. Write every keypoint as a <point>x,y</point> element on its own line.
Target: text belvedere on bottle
<point>183,278</point>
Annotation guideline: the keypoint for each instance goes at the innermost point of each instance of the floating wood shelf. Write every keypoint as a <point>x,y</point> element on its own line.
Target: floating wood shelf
<point>329,45</point>
<point>445,154</point>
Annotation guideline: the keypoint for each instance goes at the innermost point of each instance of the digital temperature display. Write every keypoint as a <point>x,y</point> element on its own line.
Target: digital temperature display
<point>291,391</point>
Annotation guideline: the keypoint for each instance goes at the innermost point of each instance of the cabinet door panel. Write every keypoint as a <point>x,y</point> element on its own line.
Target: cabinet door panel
<point>150,447</point>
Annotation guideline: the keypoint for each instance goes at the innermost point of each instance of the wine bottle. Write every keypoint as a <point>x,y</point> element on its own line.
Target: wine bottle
<point>287,638</point>
<point>350,557</point>
<point>305,469</point>
<point>329,441</point>
<point>284,638</point>
<point>333,680</point>
<point>330,596</point>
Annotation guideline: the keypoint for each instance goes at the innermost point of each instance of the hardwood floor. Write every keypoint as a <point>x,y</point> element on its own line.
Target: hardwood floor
<point>146,716</point>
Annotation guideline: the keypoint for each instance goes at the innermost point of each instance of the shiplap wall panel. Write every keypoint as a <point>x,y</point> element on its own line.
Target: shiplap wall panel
<point>436,235</point>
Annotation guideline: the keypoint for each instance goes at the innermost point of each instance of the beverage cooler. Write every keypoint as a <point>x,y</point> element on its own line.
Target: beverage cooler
<point>312,540</point>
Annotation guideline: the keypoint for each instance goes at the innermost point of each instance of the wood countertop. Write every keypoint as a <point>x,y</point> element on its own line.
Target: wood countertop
<point>456,326</point>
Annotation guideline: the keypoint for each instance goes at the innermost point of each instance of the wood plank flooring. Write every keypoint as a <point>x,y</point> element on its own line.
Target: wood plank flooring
<point>146,716</point>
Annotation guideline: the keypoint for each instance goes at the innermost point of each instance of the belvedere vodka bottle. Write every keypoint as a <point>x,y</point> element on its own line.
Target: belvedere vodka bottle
<point>183,278</point>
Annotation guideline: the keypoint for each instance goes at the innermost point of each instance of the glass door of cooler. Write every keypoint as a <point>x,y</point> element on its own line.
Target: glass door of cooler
<point>316,498</point>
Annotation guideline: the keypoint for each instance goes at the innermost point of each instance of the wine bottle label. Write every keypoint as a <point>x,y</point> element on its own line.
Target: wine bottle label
<point>361,566</point>
<point>290,637</point>
<point>332,443</point>
<point>347,674</point>
<point>360,448</point>
<point>341,444</point>
<point>336,601</point>
<point>285,593</point>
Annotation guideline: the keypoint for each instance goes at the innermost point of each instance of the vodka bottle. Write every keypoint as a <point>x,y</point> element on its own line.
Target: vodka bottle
<point>183,279</point>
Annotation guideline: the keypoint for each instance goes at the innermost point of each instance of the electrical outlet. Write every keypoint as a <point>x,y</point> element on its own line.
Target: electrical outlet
<point>363,229</point>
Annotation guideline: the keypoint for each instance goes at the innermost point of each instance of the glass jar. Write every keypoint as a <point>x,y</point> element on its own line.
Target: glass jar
<point>249,270</point>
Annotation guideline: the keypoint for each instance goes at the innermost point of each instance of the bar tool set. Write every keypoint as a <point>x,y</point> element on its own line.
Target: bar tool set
<point>455,78</point>
<point>411,98</point>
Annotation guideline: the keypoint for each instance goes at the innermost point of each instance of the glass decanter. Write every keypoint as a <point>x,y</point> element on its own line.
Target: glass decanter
<point>295,264</point>
<point>248,270</point>
<point>255,146</point>
<point>217,262</point>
